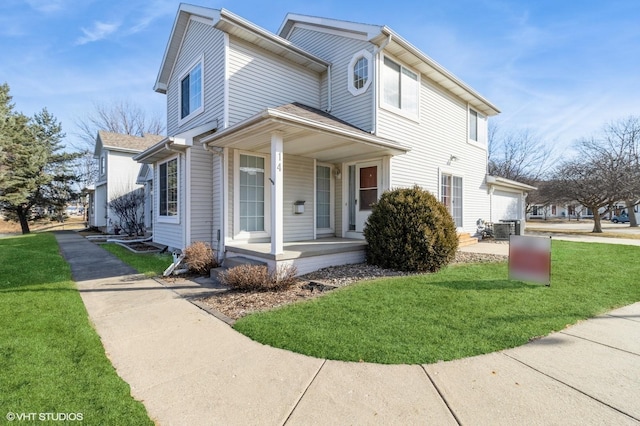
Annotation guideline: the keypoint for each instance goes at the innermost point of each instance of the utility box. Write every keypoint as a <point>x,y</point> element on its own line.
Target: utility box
<point>502,230</point>
<point>517,225</point>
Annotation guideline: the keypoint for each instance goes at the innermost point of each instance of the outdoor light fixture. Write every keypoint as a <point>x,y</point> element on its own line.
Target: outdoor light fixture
<point>452,158</point>
<point>298,207</point>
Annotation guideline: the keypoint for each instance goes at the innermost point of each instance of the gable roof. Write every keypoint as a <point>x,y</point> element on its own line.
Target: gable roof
<point>124,143</point>
<point>392,42</point>
<point>232,24</point>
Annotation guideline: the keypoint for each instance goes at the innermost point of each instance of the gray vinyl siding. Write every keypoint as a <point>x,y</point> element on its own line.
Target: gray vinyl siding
<point>441,133</point>
<point>298,186</point>
<point>170,234</point>
<point>339,51</point>
<point>199,39</point>
<point>259,80</point>
<point>202,190</point>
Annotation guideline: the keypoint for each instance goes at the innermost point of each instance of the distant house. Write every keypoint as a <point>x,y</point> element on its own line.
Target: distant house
<point>117,173</point>
<point>279,143</point>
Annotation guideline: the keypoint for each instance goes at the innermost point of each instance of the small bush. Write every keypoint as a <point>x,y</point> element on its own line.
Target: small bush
<point>258,278</point>
<point>410,230</point>
<point>200,257</point>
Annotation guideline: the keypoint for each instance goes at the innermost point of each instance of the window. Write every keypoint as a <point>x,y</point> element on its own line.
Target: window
<point>477,128</point>
<point>359,73</point>
<point>191,92</point>
<point>168,188</point>
<point>252,172</point>
<point>323,197</point>
<point>102,165</point>
<point>451,196</point>
<point>400,87</point>
<point>473,125</point>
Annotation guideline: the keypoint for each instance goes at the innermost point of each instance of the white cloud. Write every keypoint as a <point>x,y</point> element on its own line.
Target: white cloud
<point>47,6</point>
<point>99,31</point>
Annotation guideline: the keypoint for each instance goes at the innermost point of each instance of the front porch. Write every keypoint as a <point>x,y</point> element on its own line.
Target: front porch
<point>306,256</point>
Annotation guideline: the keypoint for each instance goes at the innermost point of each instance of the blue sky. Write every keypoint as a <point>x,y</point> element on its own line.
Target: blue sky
<point>561,68</point>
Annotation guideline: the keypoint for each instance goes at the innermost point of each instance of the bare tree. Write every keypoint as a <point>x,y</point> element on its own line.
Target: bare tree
<point>621,139</point>
<point>522,156</point>
<point>129,207</point>
<point>122,117</point>
<point>592,179</point>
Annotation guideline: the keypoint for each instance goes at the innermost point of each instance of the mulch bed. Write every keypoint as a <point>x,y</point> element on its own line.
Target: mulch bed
<point>235,304</point>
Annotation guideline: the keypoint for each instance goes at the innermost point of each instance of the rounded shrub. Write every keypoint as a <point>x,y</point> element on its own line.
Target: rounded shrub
<point>410,230</point>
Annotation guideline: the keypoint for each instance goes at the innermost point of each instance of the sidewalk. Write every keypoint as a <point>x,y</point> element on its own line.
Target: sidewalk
<point>189,368</point>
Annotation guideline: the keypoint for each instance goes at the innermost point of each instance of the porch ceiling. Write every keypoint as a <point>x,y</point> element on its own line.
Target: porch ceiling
<point>306,132</point>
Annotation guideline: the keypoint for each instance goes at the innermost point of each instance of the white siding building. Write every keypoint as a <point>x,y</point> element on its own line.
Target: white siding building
<point>278,144</point>
<point>117,173</point>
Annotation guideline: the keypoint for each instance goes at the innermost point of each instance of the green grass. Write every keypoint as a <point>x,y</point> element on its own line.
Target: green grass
<point>149,264</point>
<point>463,310</point>
<point>51,359</point>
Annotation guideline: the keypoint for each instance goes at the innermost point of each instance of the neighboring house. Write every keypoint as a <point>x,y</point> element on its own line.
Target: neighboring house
<point>278,144</point>
<point>574,211</point>
<point>117,173</point>
<point>145,178</point>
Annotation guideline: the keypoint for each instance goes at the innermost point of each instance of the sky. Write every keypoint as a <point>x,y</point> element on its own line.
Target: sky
<point>562,69</point>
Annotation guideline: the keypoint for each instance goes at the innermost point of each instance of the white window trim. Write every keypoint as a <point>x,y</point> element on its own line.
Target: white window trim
<point>480,128</point>
<point>332,197</point>
<point>350,80</point>
<point>245,235</point>
<point>168,219</point>
<point>446,170</point>
<point>399,111</point>
<point>199,110</point>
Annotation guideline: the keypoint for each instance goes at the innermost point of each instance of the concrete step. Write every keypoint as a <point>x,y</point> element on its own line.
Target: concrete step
<point>465,239</point>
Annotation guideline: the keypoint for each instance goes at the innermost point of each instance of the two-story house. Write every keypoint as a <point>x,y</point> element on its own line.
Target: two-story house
<point>279,143</point>
<point>117,173</point>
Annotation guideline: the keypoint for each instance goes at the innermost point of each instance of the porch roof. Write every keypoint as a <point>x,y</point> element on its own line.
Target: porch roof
<point>306,132</point>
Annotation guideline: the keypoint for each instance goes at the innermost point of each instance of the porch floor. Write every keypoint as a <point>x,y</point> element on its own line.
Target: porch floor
<point>298,249</point>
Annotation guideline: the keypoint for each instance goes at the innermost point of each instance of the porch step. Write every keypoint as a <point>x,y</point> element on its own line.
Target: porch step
<point>465,239</point>
<point>230,262</point>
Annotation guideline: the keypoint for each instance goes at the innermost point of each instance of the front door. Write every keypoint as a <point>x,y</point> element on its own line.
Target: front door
<point>367,185</point>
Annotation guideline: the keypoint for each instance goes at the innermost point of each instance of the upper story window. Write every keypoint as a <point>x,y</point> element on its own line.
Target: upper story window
<point>191,94</point>
<point>477,128</point>
<point>473,125</point>
<point>103,163</point>
<point>168,189</point>
<point>359,77</point>
<point>400,87</point>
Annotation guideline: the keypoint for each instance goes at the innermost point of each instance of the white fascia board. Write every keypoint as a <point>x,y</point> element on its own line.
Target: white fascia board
<point>370,31</point>
<point>185,12</point>
<point>255,30</point>
<point>410,48</point>
<point>508,183</point>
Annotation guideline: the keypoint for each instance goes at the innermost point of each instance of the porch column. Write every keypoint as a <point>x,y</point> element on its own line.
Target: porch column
<point>277,193</point>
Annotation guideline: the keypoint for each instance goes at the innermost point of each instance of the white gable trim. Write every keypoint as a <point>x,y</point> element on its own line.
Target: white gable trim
<point>331,31</point>
<point>363,30</point>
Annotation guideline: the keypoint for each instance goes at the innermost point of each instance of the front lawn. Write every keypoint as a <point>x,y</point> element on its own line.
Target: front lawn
<point>51,359</point>
<point>463,310</point>
<point>149,264</point>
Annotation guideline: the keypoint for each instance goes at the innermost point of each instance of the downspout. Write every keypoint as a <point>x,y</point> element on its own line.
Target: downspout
<point>329,87</point>
<point>219,153</point>
<point>376,52</point>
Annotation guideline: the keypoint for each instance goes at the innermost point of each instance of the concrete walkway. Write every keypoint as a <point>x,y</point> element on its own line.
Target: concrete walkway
<point>189,368</point>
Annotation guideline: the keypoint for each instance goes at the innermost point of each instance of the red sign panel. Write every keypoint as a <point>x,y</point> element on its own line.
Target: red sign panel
<point>530,259</point>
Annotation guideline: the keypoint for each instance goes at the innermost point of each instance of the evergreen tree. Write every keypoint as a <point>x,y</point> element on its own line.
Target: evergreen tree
<point>34,172</point>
